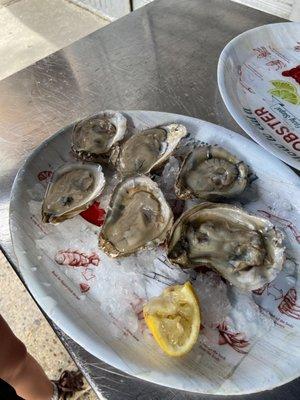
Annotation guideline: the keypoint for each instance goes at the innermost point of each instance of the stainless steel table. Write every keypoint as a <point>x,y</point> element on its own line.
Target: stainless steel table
<point>162,57</point>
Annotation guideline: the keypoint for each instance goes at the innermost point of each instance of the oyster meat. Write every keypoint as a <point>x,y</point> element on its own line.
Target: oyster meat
<point>149,149</point>
<point>72,188</point>
<point>210,173</point>
<point>246,250</point>
<point>94,137</point>
<point>138,217</point>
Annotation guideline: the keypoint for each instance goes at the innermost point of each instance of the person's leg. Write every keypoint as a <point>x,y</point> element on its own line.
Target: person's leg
<point>19,369</point>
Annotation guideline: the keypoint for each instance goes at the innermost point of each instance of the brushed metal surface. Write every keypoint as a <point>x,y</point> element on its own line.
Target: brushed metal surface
<point>162,57</point>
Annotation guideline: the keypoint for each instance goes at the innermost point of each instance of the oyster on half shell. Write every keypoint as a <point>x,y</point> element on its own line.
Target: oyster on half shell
<point>244,249</point>
<point>138,217</point>
<point>210,173</point>
<point>149,149</point>
<point>72,189</point>
<point>94,137</point>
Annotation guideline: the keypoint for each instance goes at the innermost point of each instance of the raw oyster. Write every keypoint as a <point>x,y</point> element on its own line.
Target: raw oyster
<point>94,137</point>
<point>138,217</point>
<point>72,188</point>
<point>246,250</point>
<point>149,149</point>
<point>210,173</point>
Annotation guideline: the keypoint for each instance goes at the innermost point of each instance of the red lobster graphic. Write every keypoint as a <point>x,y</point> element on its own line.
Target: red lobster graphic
<point>75,258</point>
<point>262,52</point>
<point>278,64</point>
<point>285,223</point>
<point>261,290</point>
<point>236,340</point>
<point>288,304</point>
<point>43,175</point>
<point>84,287</point>
<point>88,274</point>
<point>137,305</point>
<point>271,289</point>
<point>248,88</point>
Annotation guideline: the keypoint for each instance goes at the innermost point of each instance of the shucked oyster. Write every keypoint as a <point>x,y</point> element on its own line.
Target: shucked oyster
<point>210,173</point>
<point>138,216</point>
<point>94,137</point>
<point>149,149</point>
<point>73,187</point>
<point>245,249</point>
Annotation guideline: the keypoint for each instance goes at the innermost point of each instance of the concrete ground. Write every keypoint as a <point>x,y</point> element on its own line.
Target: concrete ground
<point>31,30</point>
<point>28,323</point>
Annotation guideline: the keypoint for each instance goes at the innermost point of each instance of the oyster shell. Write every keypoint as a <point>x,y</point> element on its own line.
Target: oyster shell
<point>246,250</point>
<point>138,217</point>
<point>211,173</point>
<point>72,188</point>
<point>94,137</point>
<point>148,149</point>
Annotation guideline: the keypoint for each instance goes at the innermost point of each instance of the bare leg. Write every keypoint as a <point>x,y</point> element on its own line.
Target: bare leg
<point>19,369</point>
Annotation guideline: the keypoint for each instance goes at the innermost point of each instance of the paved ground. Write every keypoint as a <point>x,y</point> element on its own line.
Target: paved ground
<point>28,323</point>
<point>31,30</point>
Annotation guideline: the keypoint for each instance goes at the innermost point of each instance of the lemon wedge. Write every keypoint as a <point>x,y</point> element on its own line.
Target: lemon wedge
<point>285,94</point>
<point>174,319</point>
<point>284,85</point>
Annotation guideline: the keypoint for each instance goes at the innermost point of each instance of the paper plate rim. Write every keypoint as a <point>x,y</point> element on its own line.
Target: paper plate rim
<point>236,113</point>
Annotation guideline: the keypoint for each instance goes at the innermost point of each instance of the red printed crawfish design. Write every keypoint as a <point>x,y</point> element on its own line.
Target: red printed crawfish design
<point>137,306</point>
<point>271,290</point>
<point>44,175</point>
<point>75,258</point>
<point>84,287</point>
<point>262,52</point>
<point>248,88</point>
<point>288,304</point>
<point>236,340</point>
<point>261,290</point>
<point>285,223</point>
<point>278,64</point>
<point>88,274</point>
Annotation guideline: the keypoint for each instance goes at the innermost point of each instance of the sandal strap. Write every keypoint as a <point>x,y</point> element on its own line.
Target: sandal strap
<point>55,395</point>
<point>69,383</point>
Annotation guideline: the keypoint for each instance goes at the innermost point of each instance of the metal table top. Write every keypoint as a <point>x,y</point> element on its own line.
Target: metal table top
<point>162,57</point>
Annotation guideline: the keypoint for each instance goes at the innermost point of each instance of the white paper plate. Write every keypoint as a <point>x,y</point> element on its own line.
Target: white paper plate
<point>257,95</point>
<point>104,320</point>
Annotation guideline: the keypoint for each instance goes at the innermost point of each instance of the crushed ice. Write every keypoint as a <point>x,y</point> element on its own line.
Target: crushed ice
<point>122,286</point>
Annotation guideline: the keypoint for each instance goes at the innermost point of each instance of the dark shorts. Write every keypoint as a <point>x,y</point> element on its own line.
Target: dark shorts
<point>7,392</point>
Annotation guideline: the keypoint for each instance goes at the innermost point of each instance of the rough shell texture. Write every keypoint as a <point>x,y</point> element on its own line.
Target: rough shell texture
<point>149,149</point>
<point>72,188</point>
<point>245,249</point>
<point>210,173</point>
<point>94,137</point>
<point>138,217</point>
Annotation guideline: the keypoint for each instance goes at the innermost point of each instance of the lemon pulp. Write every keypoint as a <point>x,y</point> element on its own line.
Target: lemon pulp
<point>174,319</point>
